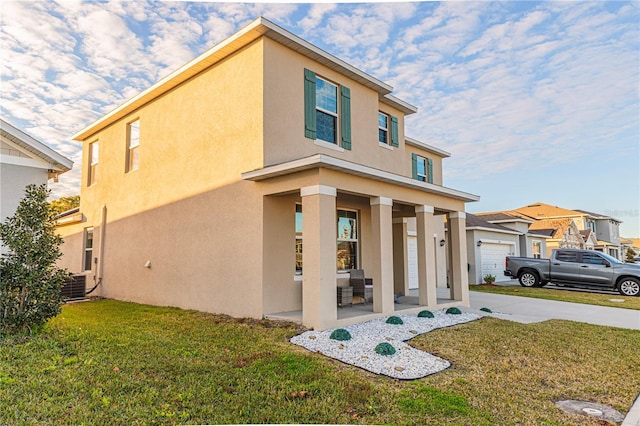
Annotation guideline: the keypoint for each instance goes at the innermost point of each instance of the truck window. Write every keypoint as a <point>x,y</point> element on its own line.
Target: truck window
<point>592,259</point>
<point>567,256</point>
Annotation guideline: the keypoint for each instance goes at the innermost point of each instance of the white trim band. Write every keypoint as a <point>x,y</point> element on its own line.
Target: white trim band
<point>375,201</point>
<point>424,209</point>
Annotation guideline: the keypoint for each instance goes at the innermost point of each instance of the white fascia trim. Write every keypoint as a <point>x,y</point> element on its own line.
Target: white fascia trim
<point>403,106</point>
<point>544,237</point>
<point>500,231</point>
<point>511,243</point>
<point>321,160</point>
<point>36,163</point>
<point>427,147</point>
<point>254,30</point>
<point>31,144</point>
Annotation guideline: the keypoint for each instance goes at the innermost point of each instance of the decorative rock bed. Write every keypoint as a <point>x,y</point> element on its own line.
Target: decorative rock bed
<point>406,363</point>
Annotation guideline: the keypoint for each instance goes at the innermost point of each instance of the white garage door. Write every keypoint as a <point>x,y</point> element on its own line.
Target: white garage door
<point>492,257</point>
<point>412,262</point>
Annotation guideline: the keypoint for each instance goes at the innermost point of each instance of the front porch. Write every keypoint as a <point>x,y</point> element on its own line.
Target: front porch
<point>362,312</point>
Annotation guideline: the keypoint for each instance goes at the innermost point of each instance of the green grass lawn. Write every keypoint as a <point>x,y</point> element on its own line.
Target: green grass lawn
<point>562,295</point>
<point>116,363</point>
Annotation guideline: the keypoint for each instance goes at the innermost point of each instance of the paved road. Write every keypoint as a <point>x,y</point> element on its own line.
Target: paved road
<point>527,310</point>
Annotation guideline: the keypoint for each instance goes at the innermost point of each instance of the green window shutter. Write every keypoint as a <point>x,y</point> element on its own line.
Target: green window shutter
<point>394,131</point>
<point>429,170</point>
<point>309,104</point>
<point>414,166</point>
<point>345,111</point>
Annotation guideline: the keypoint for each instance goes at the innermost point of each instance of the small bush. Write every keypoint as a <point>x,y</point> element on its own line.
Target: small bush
<point>486,310</point>
<point>489,279</point>
<point>425,314</point>
<point>395,320</point>
<point>340,334</point>
<point>454,311</point>
<point>385,349</point>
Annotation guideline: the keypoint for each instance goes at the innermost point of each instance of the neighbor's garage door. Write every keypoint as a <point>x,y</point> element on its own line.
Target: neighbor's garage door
<point>492,256</point>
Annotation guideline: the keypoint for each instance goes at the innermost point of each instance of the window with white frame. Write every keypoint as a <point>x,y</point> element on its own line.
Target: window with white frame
<point>88,249</point>
<point>326,111</point>
<point>298,239</point>
<point>383,128</point>
<point>347,256</point>
<point>537,249</point>
<point>92,172</point>
<point>133,145</point>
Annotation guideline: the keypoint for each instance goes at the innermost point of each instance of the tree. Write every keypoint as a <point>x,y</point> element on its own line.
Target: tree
<point>63,204</point>
<point>30,281</point>
<point>630,255</point>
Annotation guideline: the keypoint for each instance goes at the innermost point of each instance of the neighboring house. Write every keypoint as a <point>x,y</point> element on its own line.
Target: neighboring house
<point>606,228</point>
<point>24,160</point>
<point>589,238</point>
<point>493,236</point>
<point>562,233</point>
<point>251,180</point>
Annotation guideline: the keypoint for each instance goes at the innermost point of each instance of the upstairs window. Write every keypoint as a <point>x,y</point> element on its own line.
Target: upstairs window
<point>383,128</point>
<point>92,173</point>
<point>327,111</point>
<point>133,145</point>
<point>422,168</point>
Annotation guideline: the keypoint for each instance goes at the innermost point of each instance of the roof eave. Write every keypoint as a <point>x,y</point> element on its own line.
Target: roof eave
<point>325,161</point>
<point>253,31</point>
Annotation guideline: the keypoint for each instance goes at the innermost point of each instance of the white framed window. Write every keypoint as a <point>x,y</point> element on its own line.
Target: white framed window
<point>537,249</point>
<point>326,111</point>
<point>421,169</point>
<point>133,145</point>
<point>347,255</point>
<point>87,257</point>
<point>92,172</point>
<point>383,128</point>
<point>298,239</point>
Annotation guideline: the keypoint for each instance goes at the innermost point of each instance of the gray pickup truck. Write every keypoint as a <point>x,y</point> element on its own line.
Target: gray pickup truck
<point>580,268</point>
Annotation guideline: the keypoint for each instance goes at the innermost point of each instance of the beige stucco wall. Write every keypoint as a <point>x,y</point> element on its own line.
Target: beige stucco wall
<point>186,209</point>
<point>284,115</point>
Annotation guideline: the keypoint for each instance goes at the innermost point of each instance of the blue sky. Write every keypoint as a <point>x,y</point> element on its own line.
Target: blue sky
<point>536,101</point>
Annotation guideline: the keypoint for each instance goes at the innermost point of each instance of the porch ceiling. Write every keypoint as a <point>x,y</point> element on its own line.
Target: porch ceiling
<point>332,163</point>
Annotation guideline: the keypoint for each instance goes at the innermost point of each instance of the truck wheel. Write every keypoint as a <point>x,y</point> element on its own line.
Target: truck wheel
<point>629,287</point>
<point>529,279</point>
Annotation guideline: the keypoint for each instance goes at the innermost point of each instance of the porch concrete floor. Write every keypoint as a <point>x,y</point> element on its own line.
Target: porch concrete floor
<point>365,310</point>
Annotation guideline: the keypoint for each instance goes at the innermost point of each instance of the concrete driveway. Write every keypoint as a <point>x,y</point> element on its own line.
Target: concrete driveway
<point>528,310</point>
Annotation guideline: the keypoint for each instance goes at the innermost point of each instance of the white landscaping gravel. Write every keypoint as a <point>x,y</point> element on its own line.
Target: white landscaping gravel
<point>407,363</point>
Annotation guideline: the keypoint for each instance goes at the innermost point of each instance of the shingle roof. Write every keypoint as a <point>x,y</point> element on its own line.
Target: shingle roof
<point>474,221</point>
<point>559,226</point>
<point>501,217</point>
<point>546,211</point>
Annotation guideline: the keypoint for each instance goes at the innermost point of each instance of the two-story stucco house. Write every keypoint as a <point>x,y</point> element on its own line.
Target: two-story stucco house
<point>251,180</point>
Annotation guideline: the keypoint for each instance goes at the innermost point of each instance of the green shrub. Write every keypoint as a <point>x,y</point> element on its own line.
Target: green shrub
<point>454,311</point>
<point>395,320</point>
<point>425,314</point>
<point>385,349</point>
<point>489,279</point>
<point>340,334</point>
<point>486,310</point>
<point>31,281</point>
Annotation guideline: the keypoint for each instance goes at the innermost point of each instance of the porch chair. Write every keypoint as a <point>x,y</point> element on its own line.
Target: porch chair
<point>362,287</point>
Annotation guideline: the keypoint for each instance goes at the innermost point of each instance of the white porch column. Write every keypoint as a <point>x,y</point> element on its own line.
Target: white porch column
<point>319,300</point>
<point>458,254</point>
<point>382,248</point>
<point>427,284</point>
